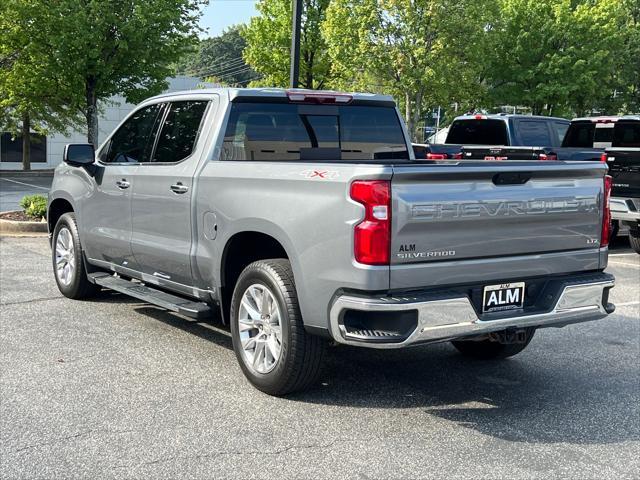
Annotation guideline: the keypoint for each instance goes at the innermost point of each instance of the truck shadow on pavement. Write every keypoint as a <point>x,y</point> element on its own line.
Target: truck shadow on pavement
<point>544,395</point>
<point>550,393</point>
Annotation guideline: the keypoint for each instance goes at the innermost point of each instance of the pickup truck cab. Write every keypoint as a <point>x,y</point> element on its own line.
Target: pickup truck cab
<point>302,218</point>
<point>503,136</point>
<point>615,140</point>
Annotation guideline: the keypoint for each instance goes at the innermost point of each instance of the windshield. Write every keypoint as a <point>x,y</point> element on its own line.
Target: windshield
<point>289,132</point>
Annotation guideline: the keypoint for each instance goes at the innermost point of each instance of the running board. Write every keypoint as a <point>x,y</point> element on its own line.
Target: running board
<point>183,306</point>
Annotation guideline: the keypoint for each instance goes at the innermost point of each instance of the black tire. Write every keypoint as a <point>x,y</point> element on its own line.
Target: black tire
<point>78,286</point>
<point>615,228</point>
<point>490,350</point>
<point>634,240</point>
<point>300,353</point>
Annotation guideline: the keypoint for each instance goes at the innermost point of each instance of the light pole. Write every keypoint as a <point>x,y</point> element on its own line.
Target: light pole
<point>295,44</point>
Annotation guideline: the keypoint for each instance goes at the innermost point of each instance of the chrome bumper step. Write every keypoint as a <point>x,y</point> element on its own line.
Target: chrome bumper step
<point>452,317</point>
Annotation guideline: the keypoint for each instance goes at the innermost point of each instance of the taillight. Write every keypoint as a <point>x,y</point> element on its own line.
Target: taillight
<point>606,213</point>
<point>603,157</point>
<point>549,156</point>
<point>372,236</point>
<point>437,156</point>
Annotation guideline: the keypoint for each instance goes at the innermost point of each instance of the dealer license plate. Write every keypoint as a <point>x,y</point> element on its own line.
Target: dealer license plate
<point>506,296</point>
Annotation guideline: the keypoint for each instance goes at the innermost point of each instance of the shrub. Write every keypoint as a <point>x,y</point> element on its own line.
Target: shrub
<point>34,206</point>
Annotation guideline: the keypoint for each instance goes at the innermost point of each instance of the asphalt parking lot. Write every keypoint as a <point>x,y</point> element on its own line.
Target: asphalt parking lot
<point>14,187</point>
<point>113,388</point>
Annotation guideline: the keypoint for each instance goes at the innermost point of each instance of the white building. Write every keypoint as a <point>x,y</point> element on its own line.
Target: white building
<point>46,152</point>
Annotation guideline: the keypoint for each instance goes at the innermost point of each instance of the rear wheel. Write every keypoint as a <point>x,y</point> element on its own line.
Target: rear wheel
<point>634,240</point>
<point>68,265</point>
<point>275,352</point>
<point>490,349</point>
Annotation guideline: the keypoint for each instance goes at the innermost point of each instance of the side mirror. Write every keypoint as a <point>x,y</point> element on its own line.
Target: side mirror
<point>79,154</point>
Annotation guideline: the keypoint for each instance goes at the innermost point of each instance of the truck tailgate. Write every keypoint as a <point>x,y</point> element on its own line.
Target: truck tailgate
<point>473,211</point>
<point>624,167</point>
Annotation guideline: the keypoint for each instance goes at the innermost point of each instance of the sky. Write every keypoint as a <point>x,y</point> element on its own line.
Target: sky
<point>220,14</point>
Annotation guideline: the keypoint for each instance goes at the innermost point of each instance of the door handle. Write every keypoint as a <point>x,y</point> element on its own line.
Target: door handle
<point>179,188</point>
<point>122,184</point>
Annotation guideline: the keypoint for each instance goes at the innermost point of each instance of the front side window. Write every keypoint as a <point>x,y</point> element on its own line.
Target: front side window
<point>179,132</point>
<point>132,142</point>
<point>289,132</point>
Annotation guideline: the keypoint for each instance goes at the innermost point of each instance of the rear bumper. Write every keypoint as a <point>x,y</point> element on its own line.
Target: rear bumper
<point>625,209</point>
<point>441,319</point>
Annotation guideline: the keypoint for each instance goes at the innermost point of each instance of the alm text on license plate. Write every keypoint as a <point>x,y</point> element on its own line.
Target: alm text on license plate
<point>506,296</point>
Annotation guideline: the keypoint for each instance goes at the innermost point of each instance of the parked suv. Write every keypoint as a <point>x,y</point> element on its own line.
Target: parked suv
<point>302,218</point>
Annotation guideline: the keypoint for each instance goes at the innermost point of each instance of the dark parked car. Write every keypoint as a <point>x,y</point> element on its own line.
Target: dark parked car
<point>498,137</point>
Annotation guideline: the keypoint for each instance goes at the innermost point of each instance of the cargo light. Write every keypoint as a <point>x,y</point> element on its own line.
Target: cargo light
<point>318,97</point>
<point>372,236</point>
<point>606,212</point>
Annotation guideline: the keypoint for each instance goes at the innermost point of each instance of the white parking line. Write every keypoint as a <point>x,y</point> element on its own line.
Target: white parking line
<point>628,264</point>
<point>630,254</point>
<point>22,183</point>
<point>627,304</point>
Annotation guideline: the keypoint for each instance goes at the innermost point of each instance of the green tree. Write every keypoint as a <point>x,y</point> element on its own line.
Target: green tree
<point>629,75</point>
<point>555,56</point>
<point>219,59</point>
<point>268,38</point>
<point>108,47</point>
<point>424,52</point>
<point>33,96</point>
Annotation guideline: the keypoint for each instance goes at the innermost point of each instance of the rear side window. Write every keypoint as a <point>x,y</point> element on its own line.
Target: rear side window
<point>179,131</point>
<point>289,132</point>
<point>579,135</point>
<point>478,132</point>
<point>131,143</point>
<point>627,134</point>
<point>534,133</point>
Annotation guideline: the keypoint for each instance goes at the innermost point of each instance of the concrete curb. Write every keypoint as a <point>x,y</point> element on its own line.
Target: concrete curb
<point>11,227</point>
<point>30,173</point>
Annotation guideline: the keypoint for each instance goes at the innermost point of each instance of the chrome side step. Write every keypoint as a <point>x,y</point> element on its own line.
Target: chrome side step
<point>174,303</point>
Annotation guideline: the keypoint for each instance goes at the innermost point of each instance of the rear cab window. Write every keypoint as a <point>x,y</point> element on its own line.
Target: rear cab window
<point>306,132</point>
<point>627,134</point>
<point>590,134</point>
<point>478,132</point>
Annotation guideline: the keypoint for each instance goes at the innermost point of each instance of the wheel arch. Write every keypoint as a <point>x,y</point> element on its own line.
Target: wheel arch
<point>241,249</point>
<point>58,207</point>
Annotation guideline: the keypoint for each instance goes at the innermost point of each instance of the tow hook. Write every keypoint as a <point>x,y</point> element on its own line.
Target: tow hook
<point>509,336</point>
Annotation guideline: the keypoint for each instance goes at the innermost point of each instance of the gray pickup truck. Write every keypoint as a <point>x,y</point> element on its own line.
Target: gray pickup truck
<point>303,219</point>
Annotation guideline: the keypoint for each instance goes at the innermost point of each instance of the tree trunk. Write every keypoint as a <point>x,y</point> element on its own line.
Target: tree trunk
<point>408,117</point>
<point>91,112</point>
<point>26,141</point>
<point>417,110</point>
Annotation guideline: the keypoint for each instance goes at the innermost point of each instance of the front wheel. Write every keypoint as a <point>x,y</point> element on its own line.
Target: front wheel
<point>490,349</point>
<point>275,352</point>
<point>68,265</point>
